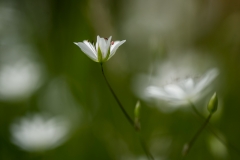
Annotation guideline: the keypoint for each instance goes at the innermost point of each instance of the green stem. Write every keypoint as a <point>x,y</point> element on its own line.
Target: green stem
<point>195,110</point>
<point>144,146</point>
<point>118,101</point>
<point>189,145</point>
<point>210,128</point>
<point>130,120</point>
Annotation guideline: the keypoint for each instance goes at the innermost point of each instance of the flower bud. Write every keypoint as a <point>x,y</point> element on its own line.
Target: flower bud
<point>137,115</point>
<point>137,110</point>
<point>213,104</point>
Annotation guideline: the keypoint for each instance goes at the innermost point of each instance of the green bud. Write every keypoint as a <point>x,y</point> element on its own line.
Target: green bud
<point>213,104</point>
<point>137,110</point>
<point>137,115</point>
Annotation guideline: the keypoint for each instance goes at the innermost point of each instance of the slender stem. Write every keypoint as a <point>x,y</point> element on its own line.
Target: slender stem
<point>130,120</point>
<point>190,144</point>
<point>195,110</point>
<point>118,101</point>
<point>143,144</point>
<point>210,128</point>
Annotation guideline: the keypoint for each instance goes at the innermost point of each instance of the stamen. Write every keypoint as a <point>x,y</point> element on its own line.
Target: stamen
<point>112,42</point>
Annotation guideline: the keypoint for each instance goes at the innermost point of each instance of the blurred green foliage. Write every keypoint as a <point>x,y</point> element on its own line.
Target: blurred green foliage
<point>100,130</point>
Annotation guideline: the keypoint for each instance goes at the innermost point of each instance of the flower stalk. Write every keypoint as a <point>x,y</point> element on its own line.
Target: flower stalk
<point>135,124</point>
<point>212,108</point>
<point>211,129</point>
<point>101,52</point>
<point>189,145</point>
<point>116,98</point>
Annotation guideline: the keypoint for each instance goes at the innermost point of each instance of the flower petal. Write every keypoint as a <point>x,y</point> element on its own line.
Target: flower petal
<point>114,47</point>
<point>188,85</point>
<point>206,80</point>
<point>155,92</point>
<point>102,45</point>
<point>159,93</point>
<point>91,47</point>
<point>87,50</point>
<point>175,91</point>
<point>108,43</point>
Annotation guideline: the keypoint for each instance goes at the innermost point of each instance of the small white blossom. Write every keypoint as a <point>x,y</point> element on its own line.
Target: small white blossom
<point>102,51</point>
<point>21,74</point>
<point>39,132</point>
<point>181,91</point>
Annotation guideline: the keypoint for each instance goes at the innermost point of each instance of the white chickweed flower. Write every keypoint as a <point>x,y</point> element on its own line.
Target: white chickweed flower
<point>181,91</point>
<point>38,132</point>
<point>102,51</point>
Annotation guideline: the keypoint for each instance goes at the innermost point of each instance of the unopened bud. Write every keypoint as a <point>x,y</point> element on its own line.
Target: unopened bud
<point>137,110</point>
<point>213,104</point>
<point>185,149</point>
<point>137,115</point>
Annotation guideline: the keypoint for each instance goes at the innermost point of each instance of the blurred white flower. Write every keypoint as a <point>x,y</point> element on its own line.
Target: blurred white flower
<point>102,51</point>
<point>20,80</point>
<point>181,91</point>
<point>21,69</point>
<point>39,132</point>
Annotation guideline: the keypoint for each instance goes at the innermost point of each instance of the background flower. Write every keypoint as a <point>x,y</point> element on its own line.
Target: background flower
<point>183,90</point>
<point>176,82</point>
<point>39,132</point>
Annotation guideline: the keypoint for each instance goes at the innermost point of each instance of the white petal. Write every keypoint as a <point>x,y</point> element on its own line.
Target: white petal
<point>188,85</point>
<point>102,45</point>
<point>98,38</point>
<point>97,44</point>
<point>86,50</point>
<point>155,92</point>
<point>108,43</point>
<point>114,47</point>
<point>175,91</point>
<point>159,93</point>
<point>206,80</point>
<point>91,47</point>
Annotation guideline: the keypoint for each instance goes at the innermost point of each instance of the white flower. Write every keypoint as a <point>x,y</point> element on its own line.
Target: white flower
<point>102,51</point>
<point>39,132</point>
<point>20,72</point>
<point>181,91</point>
<point>19,80</point>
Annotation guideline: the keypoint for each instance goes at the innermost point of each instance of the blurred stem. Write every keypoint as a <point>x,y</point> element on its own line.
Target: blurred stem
<point>144,146</point>
<point>195,110</point>
<point>189,145</point>
<point>130,120</point>
<point>210,128</point>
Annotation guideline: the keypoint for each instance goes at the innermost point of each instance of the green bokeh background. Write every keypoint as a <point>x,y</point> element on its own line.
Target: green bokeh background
<point>100,129</point>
